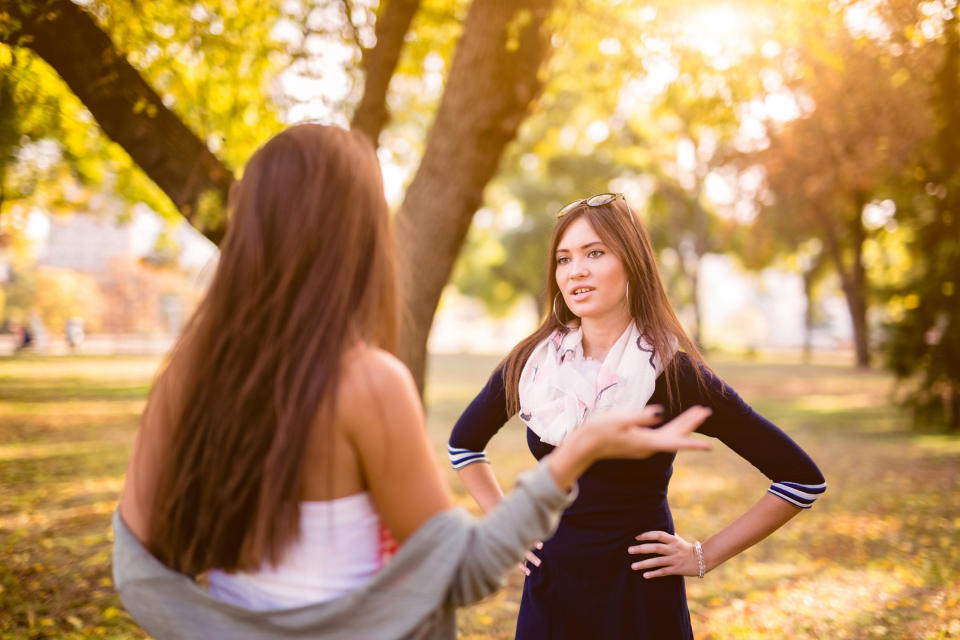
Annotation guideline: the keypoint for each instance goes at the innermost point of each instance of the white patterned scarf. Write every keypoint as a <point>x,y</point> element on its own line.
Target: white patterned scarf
<point>556,397</point>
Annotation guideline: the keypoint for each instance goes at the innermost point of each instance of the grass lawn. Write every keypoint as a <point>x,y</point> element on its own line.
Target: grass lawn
<point>877,557</point>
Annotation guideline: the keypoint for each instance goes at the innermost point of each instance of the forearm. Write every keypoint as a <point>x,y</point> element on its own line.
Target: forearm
<point>763,518</point>
<point>482,484</point>
<point>530,512</point>
<point>566,464</point>
<point>572,457</point>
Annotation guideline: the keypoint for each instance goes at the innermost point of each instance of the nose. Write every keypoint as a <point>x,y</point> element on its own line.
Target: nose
<point>579,269</point>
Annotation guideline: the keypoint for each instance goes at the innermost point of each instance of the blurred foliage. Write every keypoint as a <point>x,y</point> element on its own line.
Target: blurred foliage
<point>60,294</point>
<point>865,112</point>
<point>873,559</point>
<point>20,292</point>
<point>212,63</point>
<point>924,328</point>
<point>815,136</point>
<point>638,102</point>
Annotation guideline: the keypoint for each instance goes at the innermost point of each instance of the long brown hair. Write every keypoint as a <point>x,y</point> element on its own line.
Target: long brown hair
<point>305,272</point>
<point>621,230</point>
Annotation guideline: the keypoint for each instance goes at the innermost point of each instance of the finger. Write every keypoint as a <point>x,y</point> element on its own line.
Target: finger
<point>538,544</point>
<point>659,573</point>
<point>650,415</point>
<point>661,549</point>
<point>676,434</point>
<point>532,558</point>
<point>688,421</point>
<point>523,568</point>
<point>661,536</point>
<point>685,443</point>
<point>650,563</point>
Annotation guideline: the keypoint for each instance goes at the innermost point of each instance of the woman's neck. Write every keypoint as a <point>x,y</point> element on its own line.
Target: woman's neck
<point>599,335</point>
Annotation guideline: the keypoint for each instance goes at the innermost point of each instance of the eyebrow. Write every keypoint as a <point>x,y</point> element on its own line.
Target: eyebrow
<point>583,246</point>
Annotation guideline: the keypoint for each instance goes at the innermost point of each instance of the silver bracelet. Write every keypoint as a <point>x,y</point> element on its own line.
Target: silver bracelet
<point>699,549</point>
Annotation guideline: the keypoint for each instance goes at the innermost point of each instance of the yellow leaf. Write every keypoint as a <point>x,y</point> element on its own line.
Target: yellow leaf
<point>110,612</point>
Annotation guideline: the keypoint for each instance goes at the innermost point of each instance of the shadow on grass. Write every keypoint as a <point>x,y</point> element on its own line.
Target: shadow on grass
<point>67,389</point>
<point>91,460</point>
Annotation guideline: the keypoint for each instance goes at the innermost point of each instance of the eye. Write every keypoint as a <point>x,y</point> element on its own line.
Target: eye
<point>595,253</point>
<point>563,259</point>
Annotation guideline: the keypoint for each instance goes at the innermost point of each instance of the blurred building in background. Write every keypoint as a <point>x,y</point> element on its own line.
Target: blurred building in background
<point>132,275</point>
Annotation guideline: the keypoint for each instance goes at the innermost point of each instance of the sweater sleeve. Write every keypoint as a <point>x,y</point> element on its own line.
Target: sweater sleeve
<point>796,478</point>
<point>479,422</point>
<point>497,541</point>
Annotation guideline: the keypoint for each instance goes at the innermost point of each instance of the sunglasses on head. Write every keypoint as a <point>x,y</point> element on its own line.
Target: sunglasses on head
<point>593,201</point>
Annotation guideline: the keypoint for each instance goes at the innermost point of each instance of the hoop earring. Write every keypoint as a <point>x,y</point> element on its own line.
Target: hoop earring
<point>555,314</point>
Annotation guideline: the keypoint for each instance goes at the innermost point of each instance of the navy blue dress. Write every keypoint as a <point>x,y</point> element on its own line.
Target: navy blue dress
<point>585,587</point>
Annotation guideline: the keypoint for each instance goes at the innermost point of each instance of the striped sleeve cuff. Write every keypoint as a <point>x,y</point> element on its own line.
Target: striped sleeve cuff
<point>460,458</point>
<point>799,495</point>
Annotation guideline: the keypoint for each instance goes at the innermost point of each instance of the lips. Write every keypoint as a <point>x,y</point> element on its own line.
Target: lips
<point>580,293</point>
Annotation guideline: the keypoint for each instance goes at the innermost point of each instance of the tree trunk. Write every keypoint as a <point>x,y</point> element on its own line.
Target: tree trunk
<point>127,109</point>
<point>808,315</point>
<point>853,281</point>
<point>857,295</point>
<point>694,276</point>
<point>700,243</point>
<point>494,77</point>
<point>953,410</point>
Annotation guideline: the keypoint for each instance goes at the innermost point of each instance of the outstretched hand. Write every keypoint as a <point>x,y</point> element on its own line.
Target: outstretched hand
<point>628,434</point>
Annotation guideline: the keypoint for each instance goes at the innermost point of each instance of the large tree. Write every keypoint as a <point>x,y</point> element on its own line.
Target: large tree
<point>867,121</point>
<point>924,345</point>
<point>494,77</point>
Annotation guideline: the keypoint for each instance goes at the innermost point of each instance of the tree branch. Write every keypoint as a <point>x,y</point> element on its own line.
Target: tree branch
<point>348,9</point>
<point>494,78</point>
<point>127,109</point>
<point>379,64</point>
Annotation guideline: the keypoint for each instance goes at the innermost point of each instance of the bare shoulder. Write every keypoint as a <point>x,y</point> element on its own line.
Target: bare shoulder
<point>375,383</point>
<point>379,370</point>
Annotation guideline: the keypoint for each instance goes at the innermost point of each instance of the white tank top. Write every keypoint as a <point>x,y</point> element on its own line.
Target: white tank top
<point>341,547</point>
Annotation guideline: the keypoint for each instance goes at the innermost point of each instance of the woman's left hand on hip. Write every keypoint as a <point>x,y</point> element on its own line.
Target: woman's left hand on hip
<point>675,556</point>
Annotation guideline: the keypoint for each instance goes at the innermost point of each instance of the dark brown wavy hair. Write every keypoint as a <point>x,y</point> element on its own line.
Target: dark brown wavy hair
<point>622,232</point>
<point>305,272</point>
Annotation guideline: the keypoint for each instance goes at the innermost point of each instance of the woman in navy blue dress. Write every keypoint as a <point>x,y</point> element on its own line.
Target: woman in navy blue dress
<point>615,566</point>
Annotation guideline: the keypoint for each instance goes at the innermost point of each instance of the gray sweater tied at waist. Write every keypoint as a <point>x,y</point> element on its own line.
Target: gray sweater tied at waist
<point>450,561</point>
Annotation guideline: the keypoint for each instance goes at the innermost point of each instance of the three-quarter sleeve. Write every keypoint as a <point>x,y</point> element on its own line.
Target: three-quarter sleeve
<point>796,478</point>
<point>482,418</point>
